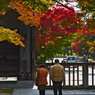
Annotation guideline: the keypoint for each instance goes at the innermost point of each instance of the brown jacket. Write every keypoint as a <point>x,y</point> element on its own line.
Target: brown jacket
<point>57,72</point>
<point>42,77</point>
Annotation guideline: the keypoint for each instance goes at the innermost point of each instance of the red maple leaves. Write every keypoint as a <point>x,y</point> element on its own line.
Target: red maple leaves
<point>55,25</point>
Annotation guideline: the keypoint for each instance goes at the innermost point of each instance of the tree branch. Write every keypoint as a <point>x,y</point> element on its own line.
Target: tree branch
<point>64,6</point>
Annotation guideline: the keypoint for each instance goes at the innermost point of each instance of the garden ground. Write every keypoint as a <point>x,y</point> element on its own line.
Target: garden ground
<point>6,91</point>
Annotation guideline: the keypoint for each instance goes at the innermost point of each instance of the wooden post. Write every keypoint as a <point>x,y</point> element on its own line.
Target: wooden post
<point>85,75</point>
<point>25,53</point>
<point>33,52</point>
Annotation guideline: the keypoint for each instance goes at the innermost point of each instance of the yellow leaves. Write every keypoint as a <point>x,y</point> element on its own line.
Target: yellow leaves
<point>47,1</point>
<point>59,37</point>
<point>11,36</point>
<point>92,47</point>
<point>2,13</point>
<point>73,44</point>
<point>27,15</point>
<point>50,42</point>
<point>91,43</point>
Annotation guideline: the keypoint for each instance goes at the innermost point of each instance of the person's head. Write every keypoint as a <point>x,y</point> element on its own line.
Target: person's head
<point>56,60</point>
<point>42,65</point>
<point>63,59</point>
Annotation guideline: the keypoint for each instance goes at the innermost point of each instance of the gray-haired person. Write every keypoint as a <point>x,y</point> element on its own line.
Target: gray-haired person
<point>57,74</point>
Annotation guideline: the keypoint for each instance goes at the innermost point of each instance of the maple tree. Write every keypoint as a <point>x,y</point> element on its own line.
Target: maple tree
<point>91,47</point>
<point>87,10</point>
<point>84,42</point>
<point>85,29</point>
<point>78,43</point>
<point>56,27</point>
<point>87,26</point>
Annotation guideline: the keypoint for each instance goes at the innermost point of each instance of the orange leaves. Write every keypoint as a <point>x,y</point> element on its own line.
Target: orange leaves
<point>11,36</point>
<point>1,39</point>
<point>2,13</point>
<point>49,0</point>
<point>85,3</point>
<point>27,14</point>
<point>84,31</point>
<point>92,47</point>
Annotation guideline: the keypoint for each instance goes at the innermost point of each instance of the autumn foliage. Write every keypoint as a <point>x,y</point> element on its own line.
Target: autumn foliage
<point>27,15</point>
<point>55,25</point>
<point>75,46</point>
<point>11,36</point>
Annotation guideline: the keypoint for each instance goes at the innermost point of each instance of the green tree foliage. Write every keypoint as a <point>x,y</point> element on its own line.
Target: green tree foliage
<point>49,52</point>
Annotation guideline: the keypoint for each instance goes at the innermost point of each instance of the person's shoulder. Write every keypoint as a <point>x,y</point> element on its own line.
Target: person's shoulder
<point>61,66</point>
<point>46,70</point>
<point>53,66</point>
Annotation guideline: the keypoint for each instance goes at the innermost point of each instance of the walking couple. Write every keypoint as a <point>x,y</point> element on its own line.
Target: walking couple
<point>57,75</point>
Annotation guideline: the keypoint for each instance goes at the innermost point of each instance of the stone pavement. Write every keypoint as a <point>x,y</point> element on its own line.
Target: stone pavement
<point>50,92</point>
<point>34,91</point>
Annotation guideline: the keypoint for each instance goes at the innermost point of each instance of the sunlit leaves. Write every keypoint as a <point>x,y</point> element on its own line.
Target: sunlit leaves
<point>78,43</point>
<point>11,36</point>
<point>29,11</point>
<point>27,14</point>
<point>39,5</point>
<point>92,47</point>
<point>56,25</point>
<point>83,42</point>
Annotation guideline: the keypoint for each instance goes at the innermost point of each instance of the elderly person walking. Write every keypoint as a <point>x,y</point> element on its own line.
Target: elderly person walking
<point>42,79</point>
<point>57,75</point>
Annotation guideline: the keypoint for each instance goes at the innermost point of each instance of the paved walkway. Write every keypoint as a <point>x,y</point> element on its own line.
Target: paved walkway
<point>50,92</point>
<point>34,91</point>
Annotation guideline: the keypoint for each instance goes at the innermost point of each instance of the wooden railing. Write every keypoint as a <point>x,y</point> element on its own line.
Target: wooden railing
<point>77,75</point>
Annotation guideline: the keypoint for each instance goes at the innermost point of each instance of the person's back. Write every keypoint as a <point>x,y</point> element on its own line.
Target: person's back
<point>57,74</point>
<point>42,76</point>
<point>42,79</point>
